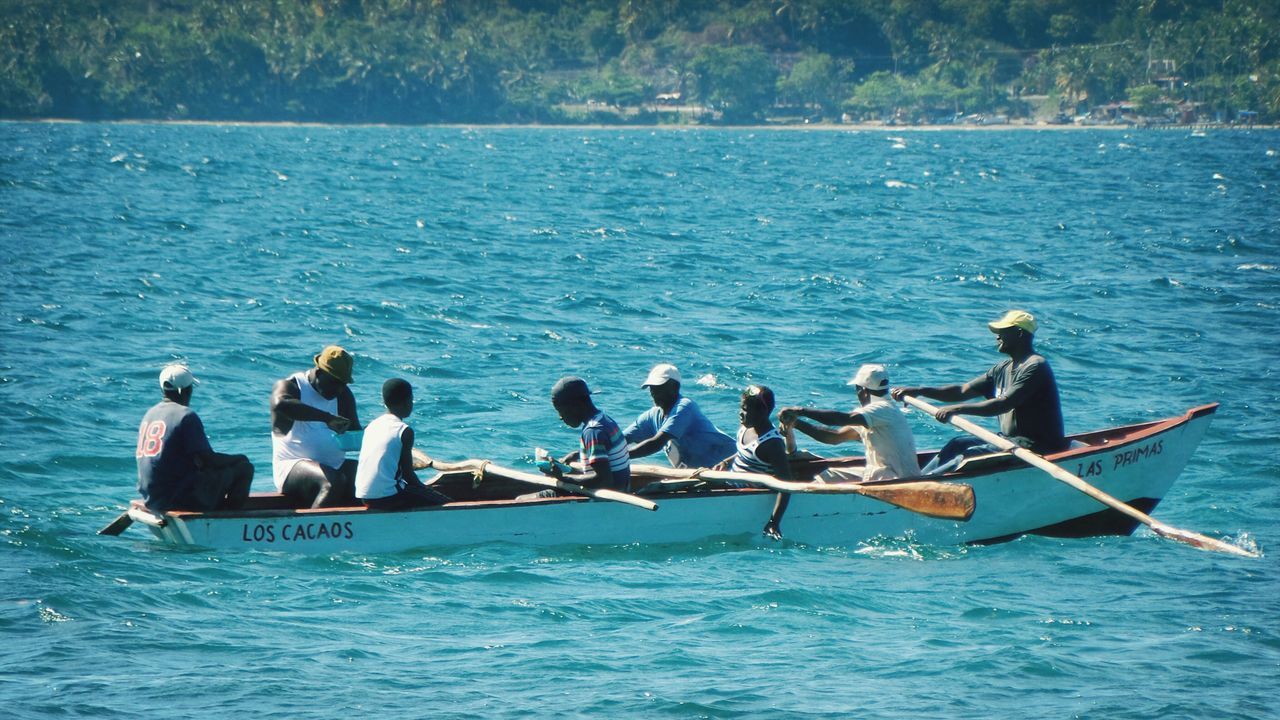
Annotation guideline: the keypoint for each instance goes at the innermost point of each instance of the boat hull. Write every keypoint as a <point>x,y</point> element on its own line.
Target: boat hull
<point>1137,464</point>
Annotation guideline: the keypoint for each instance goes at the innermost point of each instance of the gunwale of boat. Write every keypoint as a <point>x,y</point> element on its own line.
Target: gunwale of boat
<point>265,505</point>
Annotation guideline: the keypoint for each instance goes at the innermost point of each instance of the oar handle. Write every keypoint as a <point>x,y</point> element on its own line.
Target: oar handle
<point>1201,541</point>
<point>421,460</point>
<point>576,489</point>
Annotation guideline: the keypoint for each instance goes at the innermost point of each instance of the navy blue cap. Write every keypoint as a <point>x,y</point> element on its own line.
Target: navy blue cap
<point>570,388</point>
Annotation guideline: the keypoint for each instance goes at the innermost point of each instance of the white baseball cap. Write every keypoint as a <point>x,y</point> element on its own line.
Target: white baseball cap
<point>176,377</point>
<point>871,377</point>
<point>660,374</point>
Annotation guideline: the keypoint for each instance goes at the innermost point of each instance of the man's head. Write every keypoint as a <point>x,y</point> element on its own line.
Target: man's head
<point>397,395</point>
<point>664,385</point>
<point>757,406</point>
<point>177,382</point>
<point>1013,331</point>
<point>333,370</point>
<point>871,379</point>
<point>572,400</point>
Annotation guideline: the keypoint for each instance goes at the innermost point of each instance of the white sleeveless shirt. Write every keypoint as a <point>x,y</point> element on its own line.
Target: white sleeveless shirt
<point>378,473</point>
<point>307,439</point>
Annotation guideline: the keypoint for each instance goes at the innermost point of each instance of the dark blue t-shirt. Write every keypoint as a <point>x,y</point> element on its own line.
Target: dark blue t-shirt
<point>1037,410</point>
<point>170,437</point>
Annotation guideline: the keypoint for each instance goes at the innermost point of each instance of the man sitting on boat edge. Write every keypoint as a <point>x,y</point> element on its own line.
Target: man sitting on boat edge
<point>385,479</point>
<point>177,469</point>
<point>308,410</point>
<point>602,452</point>
<point>677,424</point>
<point>761,449</point>
<point>879,424</point>
<point>1021,391</point>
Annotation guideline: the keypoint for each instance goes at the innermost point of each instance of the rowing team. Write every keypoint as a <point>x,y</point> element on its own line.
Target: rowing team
<point>177,468</point>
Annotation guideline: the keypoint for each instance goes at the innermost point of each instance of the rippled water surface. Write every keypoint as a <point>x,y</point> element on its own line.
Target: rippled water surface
<point>482,264</point>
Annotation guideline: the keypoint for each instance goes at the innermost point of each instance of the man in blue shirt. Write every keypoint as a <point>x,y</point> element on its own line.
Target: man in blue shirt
<point>177,470</point>
<point>676,423</point>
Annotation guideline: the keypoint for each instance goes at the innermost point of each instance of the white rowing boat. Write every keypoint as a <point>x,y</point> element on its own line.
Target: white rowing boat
<point>1135,463</point>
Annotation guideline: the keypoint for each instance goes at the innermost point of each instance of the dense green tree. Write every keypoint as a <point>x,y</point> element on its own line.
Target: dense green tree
<point>1147,99</point>
<point>879,96</point>
<point>817,80</point>
<point>738,80</point>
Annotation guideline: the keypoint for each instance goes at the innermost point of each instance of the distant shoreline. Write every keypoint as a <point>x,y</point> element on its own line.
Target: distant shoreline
<point>819,127</point>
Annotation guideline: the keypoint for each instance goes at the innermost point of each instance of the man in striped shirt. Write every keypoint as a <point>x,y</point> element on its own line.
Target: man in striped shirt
<point>761,449</point>
<point>602,452</point>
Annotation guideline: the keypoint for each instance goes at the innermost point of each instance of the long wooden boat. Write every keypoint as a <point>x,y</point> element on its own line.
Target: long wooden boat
<point>1135,463</point>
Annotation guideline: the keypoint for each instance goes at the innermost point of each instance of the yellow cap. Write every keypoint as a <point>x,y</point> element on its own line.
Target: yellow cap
<point>337,362</point>
<point>1014,318</point>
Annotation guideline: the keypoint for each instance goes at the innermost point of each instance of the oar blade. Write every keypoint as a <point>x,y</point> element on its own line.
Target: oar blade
<point>1203,542</point>
<point>421,460</point>
<point>118,525</point>
<point>947,501</point>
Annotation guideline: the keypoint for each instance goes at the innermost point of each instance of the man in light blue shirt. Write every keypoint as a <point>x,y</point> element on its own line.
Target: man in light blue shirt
<point>676,424</point>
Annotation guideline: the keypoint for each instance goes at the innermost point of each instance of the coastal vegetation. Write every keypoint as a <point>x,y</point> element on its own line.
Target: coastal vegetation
<point>642,61</point>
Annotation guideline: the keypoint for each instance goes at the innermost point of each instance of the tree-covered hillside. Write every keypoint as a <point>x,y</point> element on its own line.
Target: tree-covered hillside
<point>423,61</point>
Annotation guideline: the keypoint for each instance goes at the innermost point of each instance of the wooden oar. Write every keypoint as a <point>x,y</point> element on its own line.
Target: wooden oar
<point>1194,539</point>
<point>569,487</point>
<point>421,461</point>
<point>118,525</point>
<point>948,501</point>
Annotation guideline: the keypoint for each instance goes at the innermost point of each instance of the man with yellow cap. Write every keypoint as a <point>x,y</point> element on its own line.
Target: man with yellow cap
<point>1021,391</point>
<point>308,411</point>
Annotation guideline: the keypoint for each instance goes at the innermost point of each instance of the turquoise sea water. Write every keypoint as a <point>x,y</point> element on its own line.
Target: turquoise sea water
<point>482,264</point>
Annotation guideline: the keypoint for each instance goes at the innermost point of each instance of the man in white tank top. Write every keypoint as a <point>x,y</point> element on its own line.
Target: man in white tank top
<point>308,411</point>
<point>878,424</point>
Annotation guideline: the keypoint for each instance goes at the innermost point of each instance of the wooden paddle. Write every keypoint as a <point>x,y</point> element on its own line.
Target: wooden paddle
<point>948,501</point>
<point>118,525</point>
<point>1194,539</point>
<point>422,461</point>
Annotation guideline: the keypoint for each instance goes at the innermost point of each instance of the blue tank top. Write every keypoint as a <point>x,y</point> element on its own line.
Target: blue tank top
<point>746,460</point>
